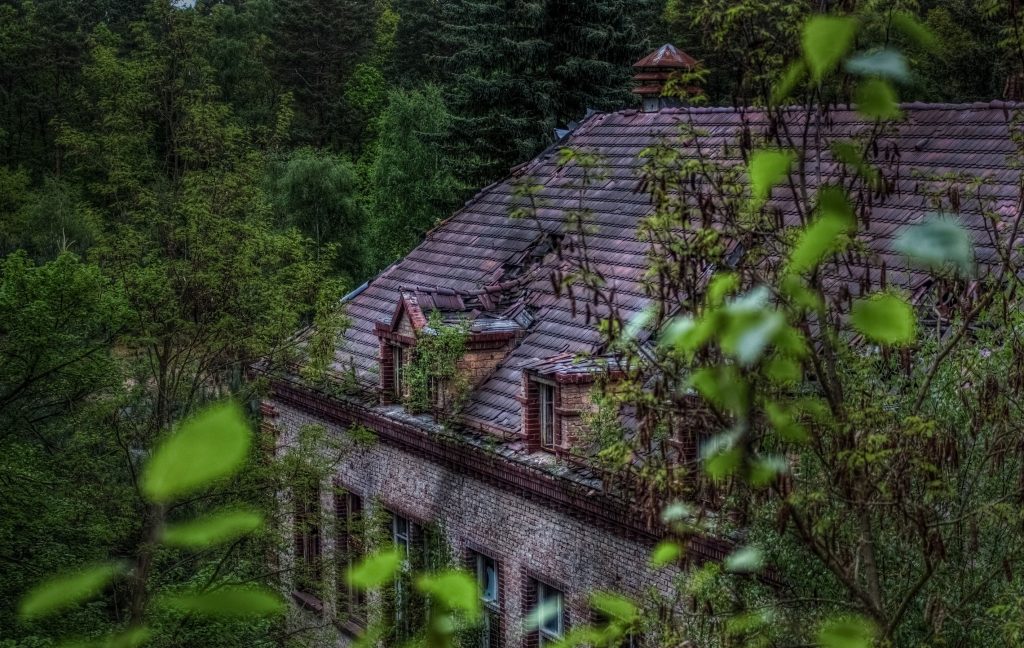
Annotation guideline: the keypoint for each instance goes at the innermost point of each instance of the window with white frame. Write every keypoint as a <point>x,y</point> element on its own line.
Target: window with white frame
<point>398,357</point>
<point>550,613</point>
<point>546,415</point>
<point>487,579</point>
<point>401,534</point>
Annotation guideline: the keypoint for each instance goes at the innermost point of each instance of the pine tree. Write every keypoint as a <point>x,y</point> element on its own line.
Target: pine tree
<point>516,69</point>
<point>317,45</point>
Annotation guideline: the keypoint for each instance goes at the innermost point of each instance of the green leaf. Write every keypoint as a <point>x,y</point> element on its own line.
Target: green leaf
<point>819,239</point>
<point>785,86</point>
<point>722,455</point>
<point>722,386</point>
<point>884,318</point>
<point>847,632</point>
<point>767,168</point>
<point>229,602</point>
<point>675,511</point>
<point>888,64</point>
<point>665,553</point>
<point>209,446</point>
<point>785,425</point>
<point>937,242</point>
<point>687,334</point>
<point>744,560</point>
<point>454,590</point>
<point>615,607</point>
<point>375,570</point>
<point>750,326</point>
<point>875,98</point>
<point>826,39</point>
<point>722,285</point>
<point>783,371</point>
<point>913,29</point>
<point>65,590</point>
<point>222,526</point>
<point>637,324</point>
<point>766,470</point>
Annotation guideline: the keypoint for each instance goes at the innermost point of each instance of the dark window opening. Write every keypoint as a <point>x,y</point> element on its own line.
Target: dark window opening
<point>351,549</point>
<point>546,400</point>
<point>406,607</point>
<point>308,568</point>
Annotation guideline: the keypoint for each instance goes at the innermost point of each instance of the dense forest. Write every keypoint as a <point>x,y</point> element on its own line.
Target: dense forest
<point>185,185</point>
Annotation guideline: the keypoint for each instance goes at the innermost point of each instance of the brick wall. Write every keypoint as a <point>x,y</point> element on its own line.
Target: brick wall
<point>524,536</point>
<point>574,402</point>
<point>479,364</point>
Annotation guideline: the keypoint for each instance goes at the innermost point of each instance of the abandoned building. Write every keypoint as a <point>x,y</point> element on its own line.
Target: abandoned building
<point>510,499</point>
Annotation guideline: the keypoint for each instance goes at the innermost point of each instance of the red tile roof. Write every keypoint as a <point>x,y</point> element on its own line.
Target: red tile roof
<point>667,56</point>
<point>481,246</point>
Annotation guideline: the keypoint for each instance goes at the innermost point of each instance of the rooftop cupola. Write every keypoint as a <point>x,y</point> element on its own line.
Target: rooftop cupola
<point>654,71</point>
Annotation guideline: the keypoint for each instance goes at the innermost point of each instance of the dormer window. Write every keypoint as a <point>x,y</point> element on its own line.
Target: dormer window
<point>556,395</point>
<point>422,367</point>
<point>549,438</point>
<point>398,360</point>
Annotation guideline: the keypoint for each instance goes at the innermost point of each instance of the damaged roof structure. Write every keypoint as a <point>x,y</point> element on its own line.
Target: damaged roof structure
<point>495,477</point>
<point>474,252</point>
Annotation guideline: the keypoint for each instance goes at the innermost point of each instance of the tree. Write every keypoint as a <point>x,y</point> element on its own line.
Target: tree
<point>868,458</point>
<point>411,184</point>
<point>318,194</point>
<point>316,47</point>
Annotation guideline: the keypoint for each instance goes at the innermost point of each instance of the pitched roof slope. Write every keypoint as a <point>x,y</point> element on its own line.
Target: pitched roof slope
<point>482,246</point>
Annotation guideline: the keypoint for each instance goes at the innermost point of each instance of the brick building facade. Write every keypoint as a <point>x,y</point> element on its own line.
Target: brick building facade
<point>508,483</point>
<point>531,541</point>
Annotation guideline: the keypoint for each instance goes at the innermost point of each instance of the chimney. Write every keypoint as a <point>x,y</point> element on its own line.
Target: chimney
<point>653,72</point>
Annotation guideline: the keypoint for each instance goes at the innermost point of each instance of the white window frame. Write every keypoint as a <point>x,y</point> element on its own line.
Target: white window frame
<point>481,579</point>
<point>398,371</point>
<point>548,635</point>
<point>403,541</point>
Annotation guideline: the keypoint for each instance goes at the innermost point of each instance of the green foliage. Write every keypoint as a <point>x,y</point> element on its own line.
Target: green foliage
<point>375,570</point>
<point>229,602</point>
<point>767,168</point>
<point>818,239</point>
<point>889,64</point>
<point>877,99</point>
<point>318,193</point>
<point>884,318</point>
<point>744,560</point>
<point>665,553</point>
<point>435,381</point>
<point>410,173</point>
<point>206,448</point>
<point>847,632</point>
<point>68,589</point>
<point>825,41</point>
<point>218,527</point>
<point>937,243</point>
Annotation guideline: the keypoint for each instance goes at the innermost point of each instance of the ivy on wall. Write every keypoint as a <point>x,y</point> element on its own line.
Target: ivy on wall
<point>435,381</point>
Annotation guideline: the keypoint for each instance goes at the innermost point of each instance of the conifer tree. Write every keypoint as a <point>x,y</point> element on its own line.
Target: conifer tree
<point>317,45</point>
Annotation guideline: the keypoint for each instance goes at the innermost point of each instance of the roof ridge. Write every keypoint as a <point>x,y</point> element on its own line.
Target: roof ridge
<point>994,104</point>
